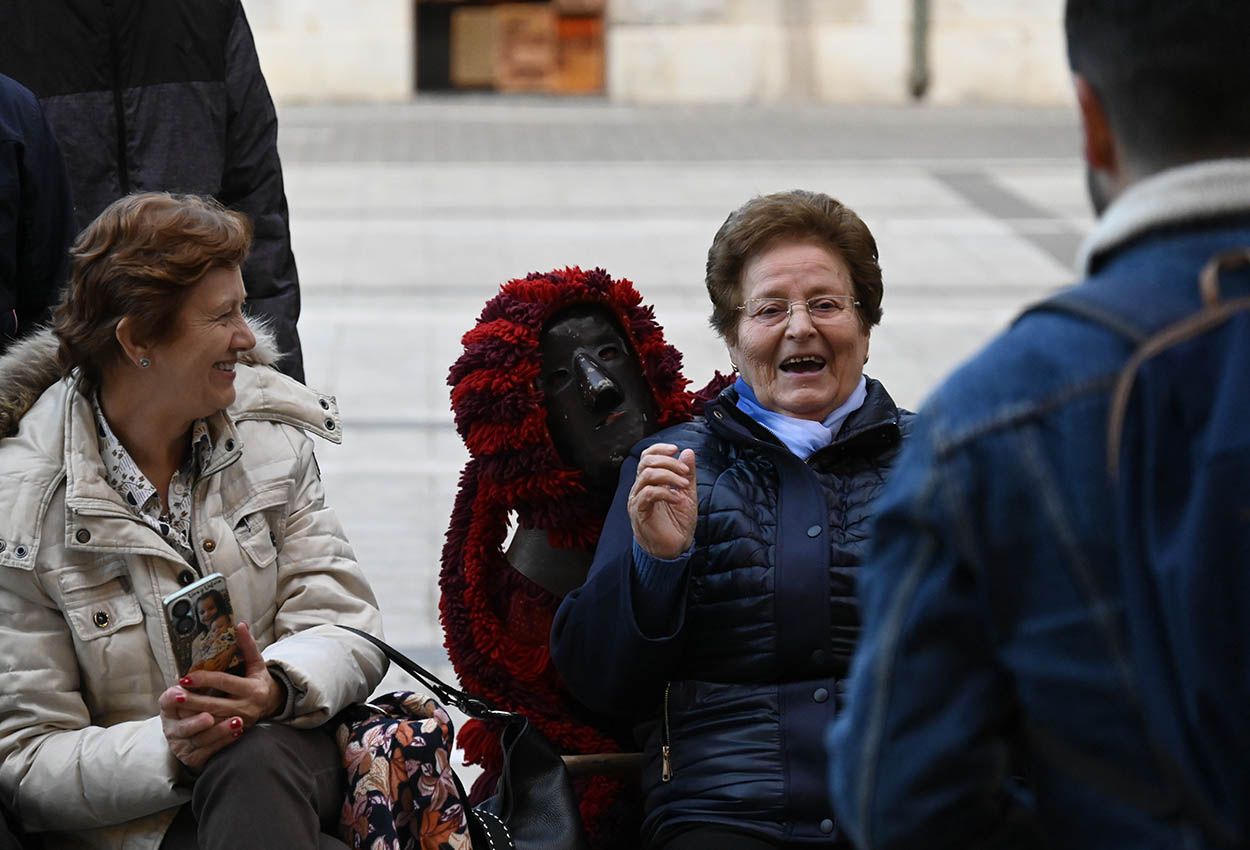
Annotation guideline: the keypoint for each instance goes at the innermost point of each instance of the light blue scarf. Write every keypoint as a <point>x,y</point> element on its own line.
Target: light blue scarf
<point>801,436</point>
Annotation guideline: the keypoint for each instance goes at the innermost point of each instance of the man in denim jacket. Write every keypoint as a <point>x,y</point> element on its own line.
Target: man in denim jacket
<point>986,699</point>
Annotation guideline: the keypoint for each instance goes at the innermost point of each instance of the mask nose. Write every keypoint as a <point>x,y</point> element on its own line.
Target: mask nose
<point>599,391</point>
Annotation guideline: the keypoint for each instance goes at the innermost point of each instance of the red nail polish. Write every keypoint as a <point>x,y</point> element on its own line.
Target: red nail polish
<point>185,681</point>
<point>236,733</point>
<point>236,723</point>
<point>180,698</point>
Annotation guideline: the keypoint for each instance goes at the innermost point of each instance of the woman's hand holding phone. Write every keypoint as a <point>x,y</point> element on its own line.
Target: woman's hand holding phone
<point>198,724</point>
<point>194,736</point>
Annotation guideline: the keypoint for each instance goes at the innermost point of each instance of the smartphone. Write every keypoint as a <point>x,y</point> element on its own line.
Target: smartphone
<point>201,623</point>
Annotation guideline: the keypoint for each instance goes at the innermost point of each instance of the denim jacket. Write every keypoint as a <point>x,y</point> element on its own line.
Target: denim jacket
<point>990,595</point>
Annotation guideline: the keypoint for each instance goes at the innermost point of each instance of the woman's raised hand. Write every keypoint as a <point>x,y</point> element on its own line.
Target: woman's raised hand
<point>663,503</point>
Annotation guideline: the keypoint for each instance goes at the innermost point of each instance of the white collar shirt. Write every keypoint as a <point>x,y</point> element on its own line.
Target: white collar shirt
<point>141,496</point>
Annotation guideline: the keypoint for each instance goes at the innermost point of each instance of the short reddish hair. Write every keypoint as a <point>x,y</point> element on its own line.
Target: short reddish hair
<point>139,260</point>
<point>799,216</point>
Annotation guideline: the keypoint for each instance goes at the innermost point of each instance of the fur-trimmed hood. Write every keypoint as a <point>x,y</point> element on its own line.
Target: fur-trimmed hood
<point>30,366</point>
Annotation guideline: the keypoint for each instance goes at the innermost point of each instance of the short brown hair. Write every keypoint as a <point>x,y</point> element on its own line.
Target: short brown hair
<point>139,259</point>
<point>800,216</point>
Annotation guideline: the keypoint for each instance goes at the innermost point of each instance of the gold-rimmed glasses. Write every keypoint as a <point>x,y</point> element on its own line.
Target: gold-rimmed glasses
<point>770,312</point>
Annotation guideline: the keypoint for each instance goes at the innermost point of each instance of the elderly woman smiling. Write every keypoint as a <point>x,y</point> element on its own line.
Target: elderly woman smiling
<point>144,443</point>
<point>720,608</point>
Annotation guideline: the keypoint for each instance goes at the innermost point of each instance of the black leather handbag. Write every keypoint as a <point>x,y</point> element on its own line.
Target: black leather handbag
<point>534,807</point>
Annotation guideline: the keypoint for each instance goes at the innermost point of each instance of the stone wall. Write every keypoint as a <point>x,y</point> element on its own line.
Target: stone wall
<point>998,51</point>
<point>708,51</point>
<point>334,50</point>
<point>835,51</point>
<point>861,50</point>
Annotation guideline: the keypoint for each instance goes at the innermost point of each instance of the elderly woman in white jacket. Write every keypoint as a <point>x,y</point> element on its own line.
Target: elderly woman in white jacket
<point>145,443</point>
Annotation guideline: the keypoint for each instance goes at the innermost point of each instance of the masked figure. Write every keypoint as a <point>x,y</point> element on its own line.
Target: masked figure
<point>563,373</point>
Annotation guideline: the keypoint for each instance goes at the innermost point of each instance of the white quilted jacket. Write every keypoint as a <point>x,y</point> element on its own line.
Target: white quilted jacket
<point>84,649</point>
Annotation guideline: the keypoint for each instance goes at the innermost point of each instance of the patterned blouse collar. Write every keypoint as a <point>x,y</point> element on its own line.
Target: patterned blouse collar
<point>124,476</point>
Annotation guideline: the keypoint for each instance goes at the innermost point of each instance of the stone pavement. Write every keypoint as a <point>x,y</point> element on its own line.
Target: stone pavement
<point>406,218</point>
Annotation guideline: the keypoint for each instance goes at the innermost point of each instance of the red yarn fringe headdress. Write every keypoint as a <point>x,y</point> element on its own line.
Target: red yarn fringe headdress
<point>496,621</point>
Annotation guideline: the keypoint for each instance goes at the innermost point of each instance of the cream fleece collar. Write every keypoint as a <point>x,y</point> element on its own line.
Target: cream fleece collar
<point>1188,193</point>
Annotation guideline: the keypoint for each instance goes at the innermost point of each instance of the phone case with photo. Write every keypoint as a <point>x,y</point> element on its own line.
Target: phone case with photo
<point>201,625</point>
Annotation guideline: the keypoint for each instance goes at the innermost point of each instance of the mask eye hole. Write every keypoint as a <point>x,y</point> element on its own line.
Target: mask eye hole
<point>609,353</point>
<point>553,380</point>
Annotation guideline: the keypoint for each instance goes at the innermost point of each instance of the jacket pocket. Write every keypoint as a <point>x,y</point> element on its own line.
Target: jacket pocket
<point>259,523</point>
<point>257,539</point>
<point>99,601</point>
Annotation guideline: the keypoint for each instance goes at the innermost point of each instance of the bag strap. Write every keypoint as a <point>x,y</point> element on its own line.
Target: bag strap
<point>1073,303</point>
<point>467,703</point>
<point>1209,279</point>
<point>1215,310</point>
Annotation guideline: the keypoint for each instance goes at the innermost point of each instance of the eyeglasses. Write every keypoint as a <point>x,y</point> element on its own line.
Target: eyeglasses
<point>770,312</point>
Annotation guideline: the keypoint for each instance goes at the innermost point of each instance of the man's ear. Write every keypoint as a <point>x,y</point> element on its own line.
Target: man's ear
<point>1101,153</point>
<point>132,349</point>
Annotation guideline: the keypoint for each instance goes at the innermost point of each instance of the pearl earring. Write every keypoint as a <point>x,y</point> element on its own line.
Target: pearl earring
<point>144,362</point>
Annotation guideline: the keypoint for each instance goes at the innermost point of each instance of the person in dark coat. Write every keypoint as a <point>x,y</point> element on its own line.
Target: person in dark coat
<point>36,214</point>
<point>720,607</point>
<point>164,95</point>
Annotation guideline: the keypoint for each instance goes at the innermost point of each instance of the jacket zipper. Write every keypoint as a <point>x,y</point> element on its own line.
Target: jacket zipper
<point>666,749</point>
<point>193,535</point>
<point>119,110</point>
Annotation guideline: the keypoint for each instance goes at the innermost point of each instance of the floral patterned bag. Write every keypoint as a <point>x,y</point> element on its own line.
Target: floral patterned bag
<point>534,807</point>
<point>401,791</point>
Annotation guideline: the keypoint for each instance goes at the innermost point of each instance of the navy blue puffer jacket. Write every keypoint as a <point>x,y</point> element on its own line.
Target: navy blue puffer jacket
<point>747,678</point>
